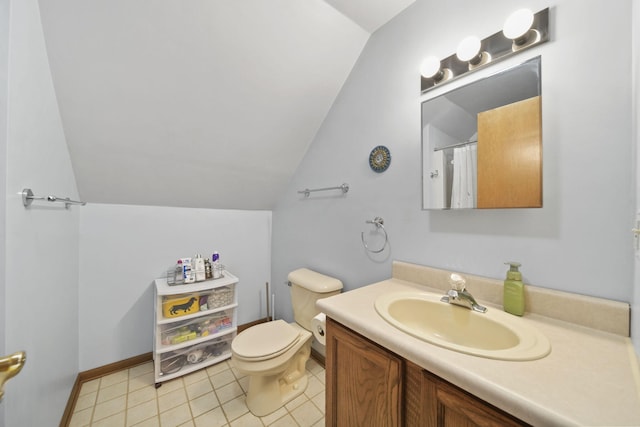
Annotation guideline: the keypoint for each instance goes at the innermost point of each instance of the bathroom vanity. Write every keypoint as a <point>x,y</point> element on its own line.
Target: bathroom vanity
<point>368,385</point>
<point>379,375</point>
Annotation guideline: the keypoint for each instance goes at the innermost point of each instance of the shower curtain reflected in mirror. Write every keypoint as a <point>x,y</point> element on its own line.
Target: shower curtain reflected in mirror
<point>465,185</point>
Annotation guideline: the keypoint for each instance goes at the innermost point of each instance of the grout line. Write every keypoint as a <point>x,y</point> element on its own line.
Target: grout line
<point>93,408</point>
<point>126,398</point>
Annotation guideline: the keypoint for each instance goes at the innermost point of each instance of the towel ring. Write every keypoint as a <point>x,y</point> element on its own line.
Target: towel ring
<point>379,223</point>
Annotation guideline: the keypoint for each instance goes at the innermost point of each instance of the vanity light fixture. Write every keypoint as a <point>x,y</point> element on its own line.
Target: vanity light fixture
<point>432,69</point>
<point>469,51</point>
<point>522,30</point>
<point>517,27</point>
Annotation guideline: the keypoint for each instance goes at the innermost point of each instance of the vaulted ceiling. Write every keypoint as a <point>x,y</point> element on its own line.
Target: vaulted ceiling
<point>199,103</point>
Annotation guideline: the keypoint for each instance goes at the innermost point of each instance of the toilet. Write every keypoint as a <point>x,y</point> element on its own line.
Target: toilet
<point>274,354</point>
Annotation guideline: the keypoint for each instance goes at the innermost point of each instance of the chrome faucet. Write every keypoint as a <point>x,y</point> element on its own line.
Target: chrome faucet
<point>458,295</point>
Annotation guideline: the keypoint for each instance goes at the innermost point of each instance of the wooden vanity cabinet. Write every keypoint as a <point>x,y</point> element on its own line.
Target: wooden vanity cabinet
<point>368,385</point>
<point>432,401</point>
<point>363,381</point>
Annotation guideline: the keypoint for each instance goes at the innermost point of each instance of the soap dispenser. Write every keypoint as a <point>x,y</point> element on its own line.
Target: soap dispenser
<point>513,298</point>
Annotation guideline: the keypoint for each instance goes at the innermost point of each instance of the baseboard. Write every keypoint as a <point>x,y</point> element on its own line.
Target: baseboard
<point>101,371</point>
<point>71,403</point>
<point>315,355</point>
<point>250,324</point>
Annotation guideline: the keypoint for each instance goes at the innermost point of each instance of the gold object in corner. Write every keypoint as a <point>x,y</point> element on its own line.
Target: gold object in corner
<point>10,366</point>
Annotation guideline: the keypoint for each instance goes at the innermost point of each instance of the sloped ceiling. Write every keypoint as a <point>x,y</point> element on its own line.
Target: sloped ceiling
<point>199,103</point>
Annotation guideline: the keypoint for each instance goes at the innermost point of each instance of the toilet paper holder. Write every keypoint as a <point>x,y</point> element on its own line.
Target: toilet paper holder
<point>318,325</point>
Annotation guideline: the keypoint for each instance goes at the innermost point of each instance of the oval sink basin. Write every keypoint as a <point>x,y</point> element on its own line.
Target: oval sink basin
<point>493,334</point>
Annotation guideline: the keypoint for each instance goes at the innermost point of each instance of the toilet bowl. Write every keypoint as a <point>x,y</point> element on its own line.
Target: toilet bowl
<point>274,356</point>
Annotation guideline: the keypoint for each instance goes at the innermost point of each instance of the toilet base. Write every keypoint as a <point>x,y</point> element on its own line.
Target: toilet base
<point>268,393</point>
<point>273,395</point>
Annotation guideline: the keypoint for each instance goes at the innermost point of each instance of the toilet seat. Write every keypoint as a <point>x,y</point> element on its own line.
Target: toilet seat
<point>265,341</point>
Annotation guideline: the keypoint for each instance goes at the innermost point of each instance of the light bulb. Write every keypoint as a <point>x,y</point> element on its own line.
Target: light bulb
<point>518,24</point>
<point>468,49</point>
<point>430,67</point>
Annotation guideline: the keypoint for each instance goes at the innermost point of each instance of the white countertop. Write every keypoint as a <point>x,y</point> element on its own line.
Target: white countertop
<point>590,378</point>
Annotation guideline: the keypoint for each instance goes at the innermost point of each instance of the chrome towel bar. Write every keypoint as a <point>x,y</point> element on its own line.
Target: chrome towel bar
<point>28,198</point>
<point>344,187</point>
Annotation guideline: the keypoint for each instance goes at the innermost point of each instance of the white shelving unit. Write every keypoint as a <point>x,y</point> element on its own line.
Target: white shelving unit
<point>193,326</point>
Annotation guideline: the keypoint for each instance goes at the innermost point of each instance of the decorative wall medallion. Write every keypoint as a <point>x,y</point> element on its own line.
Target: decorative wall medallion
<point>380,158</point>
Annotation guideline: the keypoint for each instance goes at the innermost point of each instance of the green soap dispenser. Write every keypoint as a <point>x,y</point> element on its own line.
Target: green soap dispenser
<point>513,298</point>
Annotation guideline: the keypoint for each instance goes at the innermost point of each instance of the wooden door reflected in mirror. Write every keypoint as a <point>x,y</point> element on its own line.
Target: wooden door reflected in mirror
<point>510,156</point>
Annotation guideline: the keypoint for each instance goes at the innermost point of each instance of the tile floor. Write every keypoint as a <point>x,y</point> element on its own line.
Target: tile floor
<point>211,397</point>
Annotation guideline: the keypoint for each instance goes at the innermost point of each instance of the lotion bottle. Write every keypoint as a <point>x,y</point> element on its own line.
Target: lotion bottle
<point>199,268</point>
<point>189,274</point>
<point>513,298</point>
<point>216,267</point>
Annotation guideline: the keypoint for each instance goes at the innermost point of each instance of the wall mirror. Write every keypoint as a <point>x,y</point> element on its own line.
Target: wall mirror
<point>482,143</point>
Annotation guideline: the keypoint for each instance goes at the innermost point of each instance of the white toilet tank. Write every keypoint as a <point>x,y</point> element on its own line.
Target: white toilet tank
<point>307,287</point>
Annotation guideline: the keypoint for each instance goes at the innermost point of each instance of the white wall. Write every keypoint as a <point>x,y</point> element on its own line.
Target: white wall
<point>635,319</point>
<point>578,242</point>
<point>41,305</point>
<point>4,83</point>
<point>124,248</point>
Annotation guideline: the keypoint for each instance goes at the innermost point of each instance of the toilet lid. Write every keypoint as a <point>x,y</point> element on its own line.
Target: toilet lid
<point>265,340</point>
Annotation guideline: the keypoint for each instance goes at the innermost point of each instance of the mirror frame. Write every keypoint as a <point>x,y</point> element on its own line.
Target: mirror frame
<point>532,67</point>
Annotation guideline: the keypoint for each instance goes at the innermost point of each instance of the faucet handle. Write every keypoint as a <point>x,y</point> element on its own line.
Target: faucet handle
<point>457,282</point>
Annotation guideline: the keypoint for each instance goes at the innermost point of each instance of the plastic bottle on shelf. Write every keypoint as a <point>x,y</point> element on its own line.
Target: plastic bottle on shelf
<point>178,276</point>
<point>189,274</point>
<point>198,266</point>
<point>208,274</point>
<point>216,267</point>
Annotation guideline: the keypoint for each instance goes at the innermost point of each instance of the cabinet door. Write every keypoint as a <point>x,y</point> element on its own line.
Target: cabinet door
<point>364,381</point>
<point>421,404</point>
<point>456,408</point>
